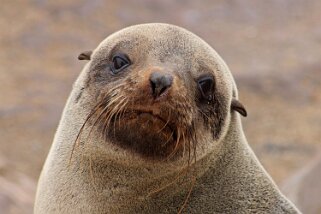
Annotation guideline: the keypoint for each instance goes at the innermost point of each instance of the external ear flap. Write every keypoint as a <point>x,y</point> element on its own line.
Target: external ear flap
<point>85,55</point>
<point>238,106</point>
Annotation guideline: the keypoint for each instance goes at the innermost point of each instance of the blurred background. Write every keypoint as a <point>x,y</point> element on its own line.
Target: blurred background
<point>273,49</point>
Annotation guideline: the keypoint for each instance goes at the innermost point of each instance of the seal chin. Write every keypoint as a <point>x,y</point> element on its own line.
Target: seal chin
<point>149,135</point>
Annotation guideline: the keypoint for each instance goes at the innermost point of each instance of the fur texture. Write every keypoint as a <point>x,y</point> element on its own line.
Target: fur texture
<point>116,165</point>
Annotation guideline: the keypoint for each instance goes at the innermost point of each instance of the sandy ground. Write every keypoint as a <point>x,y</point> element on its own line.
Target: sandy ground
<point>273,48</point>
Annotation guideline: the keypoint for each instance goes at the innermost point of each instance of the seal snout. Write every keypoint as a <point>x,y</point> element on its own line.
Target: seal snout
<point>160,82</point>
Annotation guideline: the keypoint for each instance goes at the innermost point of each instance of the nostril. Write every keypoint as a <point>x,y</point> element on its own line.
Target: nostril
<point>153,85</point>
<point>162,90</point>
<point>160,82</point>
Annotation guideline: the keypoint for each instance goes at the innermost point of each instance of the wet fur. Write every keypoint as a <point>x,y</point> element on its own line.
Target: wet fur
<point>92,166</point>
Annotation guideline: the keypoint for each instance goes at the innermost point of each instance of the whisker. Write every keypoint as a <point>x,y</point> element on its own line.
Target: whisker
<point>113,114</point>
<point>188,196</point>
<point>92,175</point>
<point>179,174</point>
<point>76,142</point>
<point>118,110</point>
<point>169,117</point>
<point>108,121</point>
<point>176,146</point>
<point>105,128</point>
<point>200,111</point>
<point>96,121</point>
<point>109,115</point>
<point>164,144</point>
<point>123,110</point>
<point>183,144</point>
<point>194,145</point>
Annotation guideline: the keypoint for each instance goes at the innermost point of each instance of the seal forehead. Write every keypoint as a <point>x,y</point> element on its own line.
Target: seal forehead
<point>168,44</point>
<point>160,38</point>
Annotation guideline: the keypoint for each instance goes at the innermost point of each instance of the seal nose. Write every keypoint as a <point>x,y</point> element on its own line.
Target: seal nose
<point>160,82</point>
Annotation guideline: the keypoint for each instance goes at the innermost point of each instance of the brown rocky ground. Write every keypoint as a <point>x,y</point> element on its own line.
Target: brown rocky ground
<point>272,47</point>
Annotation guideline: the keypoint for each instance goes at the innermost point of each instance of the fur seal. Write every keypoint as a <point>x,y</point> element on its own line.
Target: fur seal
<point>152,125</point>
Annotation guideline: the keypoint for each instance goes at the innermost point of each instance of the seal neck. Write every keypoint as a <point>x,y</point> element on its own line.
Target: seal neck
<point>236,178</point>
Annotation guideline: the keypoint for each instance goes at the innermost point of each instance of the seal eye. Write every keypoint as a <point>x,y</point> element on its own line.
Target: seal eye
<point>206,85</point>
<point>120,62</point>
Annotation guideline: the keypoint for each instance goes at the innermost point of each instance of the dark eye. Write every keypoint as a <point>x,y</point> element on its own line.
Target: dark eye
<point>206,85</point>
<point>119,62</point>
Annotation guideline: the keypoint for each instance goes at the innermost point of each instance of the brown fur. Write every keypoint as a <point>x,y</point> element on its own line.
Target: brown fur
<point>129,152</point>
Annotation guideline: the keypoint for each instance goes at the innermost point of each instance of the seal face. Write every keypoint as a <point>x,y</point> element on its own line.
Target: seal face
<point>153,89</point>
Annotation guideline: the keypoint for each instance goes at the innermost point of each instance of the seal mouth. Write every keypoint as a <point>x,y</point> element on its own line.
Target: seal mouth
<point>150,115</point>
<point>145,132</point>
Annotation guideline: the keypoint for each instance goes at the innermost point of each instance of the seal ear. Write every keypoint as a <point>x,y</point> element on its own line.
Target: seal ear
<point>238,106</point>
<point>85,55</point>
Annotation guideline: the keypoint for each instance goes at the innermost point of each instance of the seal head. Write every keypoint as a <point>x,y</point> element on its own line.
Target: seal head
<point>154,86</point>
